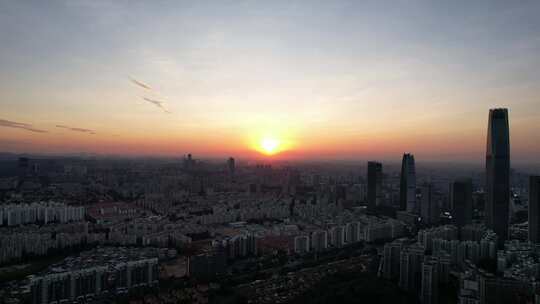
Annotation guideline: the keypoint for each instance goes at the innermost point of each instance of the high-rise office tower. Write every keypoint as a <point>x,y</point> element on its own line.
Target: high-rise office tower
<point>231,166</point>
<point>534,209</point>
<point>23,166</point>
<point>189,162</point>
<point>374,176</point>
<point>407,187</point>
<point>429,208</point>
<point>498,173</point>
<point>461,202</point>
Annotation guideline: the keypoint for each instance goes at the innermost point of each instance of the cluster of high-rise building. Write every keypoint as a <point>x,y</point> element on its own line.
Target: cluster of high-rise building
<point>17,243</point>
<point>248,210</point>
<point>244,212</point>
<point>237,246</point>
<point>478,286</point>
<point>15,246</point>
<point>426,236</point>
<point>321,240</point>
<point>421,266</point>
<point>29,241</point>
<point>427,206</point>
<point>515,275</point>
<point>42,213</point>
<point>100,272</point>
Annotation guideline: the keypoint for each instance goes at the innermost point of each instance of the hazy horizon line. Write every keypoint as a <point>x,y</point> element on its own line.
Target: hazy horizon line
<point>262,158</point>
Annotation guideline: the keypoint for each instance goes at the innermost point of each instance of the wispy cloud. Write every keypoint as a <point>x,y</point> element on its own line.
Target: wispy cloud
<point>140,84</point>
<point>19,125</point>
<point>158,103</point>
<point>74,129</point>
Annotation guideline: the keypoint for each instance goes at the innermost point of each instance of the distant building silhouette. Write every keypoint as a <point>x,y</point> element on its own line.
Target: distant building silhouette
<point>23,162</point>
<point>23,166</point>
<point>534,209</point>
<point>407,187</point>
<point>429,208</point>
<point>461,202</point>
<point>374,177</point>
<point>231,166</point>
<point>189,162</point>
<point>498,173</point>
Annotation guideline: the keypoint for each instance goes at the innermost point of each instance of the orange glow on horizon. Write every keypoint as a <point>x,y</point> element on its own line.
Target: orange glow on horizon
<point>270,141</point>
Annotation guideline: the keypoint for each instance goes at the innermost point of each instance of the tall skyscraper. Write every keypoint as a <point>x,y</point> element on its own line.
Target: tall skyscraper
<point>498,173</point>
<point>534,209</point>
<point>189,162</point>
<point>407,187</point>
<point>23,166</point>
<point>374,177</point>
<point>231,165</point>
<point>429,208</point>
<point>461,202</point>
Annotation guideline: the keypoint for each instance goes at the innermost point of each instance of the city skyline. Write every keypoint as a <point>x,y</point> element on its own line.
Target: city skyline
<point>264,152</point>
<point>280,81</point>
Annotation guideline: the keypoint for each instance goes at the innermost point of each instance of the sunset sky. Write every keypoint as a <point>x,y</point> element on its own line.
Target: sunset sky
<point>327,79</point>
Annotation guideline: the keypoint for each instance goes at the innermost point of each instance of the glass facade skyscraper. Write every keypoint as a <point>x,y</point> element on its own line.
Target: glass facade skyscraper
<point>374,177</point>
<point>407,188</point>
<point>461,201</point>
<point>498,173</point>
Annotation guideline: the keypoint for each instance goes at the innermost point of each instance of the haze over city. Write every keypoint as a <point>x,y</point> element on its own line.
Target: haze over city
<point>263,152</point>
<point>326,80</point>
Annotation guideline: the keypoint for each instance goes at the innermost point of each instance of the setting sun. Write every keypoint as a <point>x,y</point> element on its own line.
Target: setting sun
<point>269,145</point>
